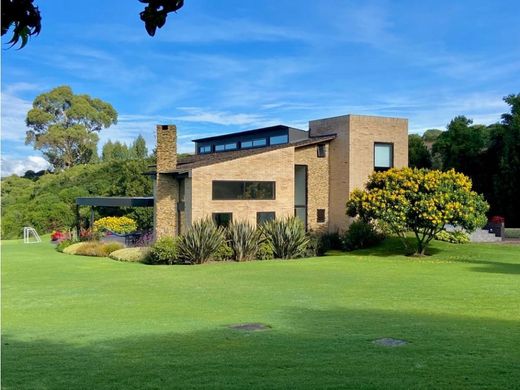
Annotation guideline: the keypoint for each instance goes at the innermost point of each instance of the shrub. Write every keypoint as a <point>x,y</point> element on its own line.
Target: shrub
<point>287,237</point>
<point>320,243</point>
<point>64,244</point>
<point>93,248</point>
<point>360,235</point>
<point>163,251</point>
<point>200,243</point>
<point>456,237</point>
<point>224,252</point>
<point>265,251</point>
<point>119,225</point>
<point>109,247</point>
<point>71,249</point>
<point>133,255</point>
<point>243,239</point>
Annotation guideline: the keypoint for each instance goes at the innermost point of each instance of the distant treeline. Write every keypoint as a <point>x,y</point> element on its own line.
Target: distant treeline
<point>489,155</point>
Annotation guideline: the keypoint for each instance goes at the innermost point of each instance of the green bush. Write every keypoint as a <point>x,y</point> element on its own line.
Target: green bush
<point>320,243</point>
<point>133,255</point>
<point>163,251</point>
<point>360,235</point>
<point>287,237</point>
<point>456,237</point>
<point>224,253</point>
<point>244,239</point>
<point>201,242</point>
<point>64,244</point>
<point>265,251</point>
<point>512,233</point>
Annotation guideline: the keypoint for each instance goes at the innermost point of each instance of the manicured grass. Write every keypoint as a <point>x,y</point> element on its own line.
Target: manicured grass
<point>72,322</point>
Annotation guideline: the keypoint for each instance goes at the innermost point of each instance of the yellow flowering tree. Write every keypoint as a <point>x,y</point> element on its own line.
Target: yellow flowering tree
<point>119,225</point>
<point>420,201</point>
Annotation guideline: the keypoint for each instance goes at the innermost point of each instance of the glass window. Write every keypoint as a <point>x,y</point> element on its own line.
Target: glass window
<point>383,156</point>
<point>219,148</point>
<point>229,190</point>
<point>223,219</point>
<point>300,185</point>
<point>259,142</point>
<point>321,151</point>
<point>278,139</point>
<point>246,144</point>
<point>264,216</point>
<point>231,146</point>
<point>205,149</point>
<point>301,213</point>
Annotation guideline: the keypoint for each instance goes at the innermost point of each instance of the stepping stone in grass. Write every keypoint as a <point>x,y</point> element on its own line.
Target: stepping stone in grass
<point>390,342</point>
<point>251,326</point>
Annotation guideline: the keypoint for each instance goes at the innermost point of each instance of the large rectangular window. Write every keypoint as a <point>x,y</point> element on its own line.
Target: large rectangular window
<point>278,139</point>
<point>383,156</point>
<point>300,193</point>
<point>233,190</point>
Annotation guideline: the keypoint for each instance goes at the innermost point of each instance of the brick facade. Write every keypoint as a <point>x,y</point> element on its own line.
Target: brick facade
<point>348,163</point>
<point>317,184</point>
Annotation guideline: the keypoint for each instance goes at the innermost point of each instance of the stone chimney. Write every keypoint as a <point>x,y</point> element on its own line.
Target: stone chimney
<point>166,191</point>
<point>166,148</point>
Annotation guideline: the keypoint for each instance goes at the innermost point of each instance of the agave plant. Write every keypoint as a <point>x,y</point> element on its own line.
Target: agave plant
<point>244,240</point>
<point>287,237</point>
<point>201,242</point>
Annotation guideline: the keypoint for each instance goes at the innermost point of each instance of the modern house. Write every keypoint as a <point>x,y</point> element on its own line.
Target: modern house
<point>272,172</point>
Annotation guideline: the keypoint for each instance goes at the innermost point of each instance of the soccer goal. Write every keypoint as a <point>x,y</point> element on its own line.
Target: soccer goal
<point>30,236</point>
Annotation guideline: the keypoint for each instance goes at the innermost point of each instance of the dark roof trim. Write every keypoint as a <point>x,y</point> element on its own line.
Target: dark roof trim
<point>113,201</point>
<point>246,132</point>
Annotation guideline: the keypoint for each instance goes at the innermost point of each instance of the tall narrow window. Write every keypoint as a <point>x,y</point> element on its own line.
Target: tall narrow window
<point>320,150</point>
<point>300,193</point>
<point>383,156</point>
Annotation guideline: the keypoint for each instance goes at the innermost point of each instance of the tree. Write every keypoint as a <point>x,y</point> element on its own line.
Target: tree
<point>461,146</point>
<point>503,162</point>
<point>138,149</point>
<point>431,135</point>
<point>65,126</point>
<point>420,201</point>
<point>25,17</point>
<point>418,154</point>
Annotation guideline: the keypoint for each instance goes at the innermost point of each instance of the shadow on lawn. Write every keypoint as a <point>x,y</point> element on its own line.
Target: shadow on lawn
<point>392,246</point>
<point>315,349</point>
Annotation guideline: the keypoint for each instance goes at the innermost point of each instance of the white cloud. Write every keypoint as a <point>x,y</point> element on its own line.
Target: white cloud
<point>14,111</point>
<point>19,166</point>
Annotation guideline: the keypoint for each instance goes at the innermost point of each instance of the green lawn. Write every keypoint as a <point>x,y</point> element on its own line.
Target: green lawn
<point>73,322</point>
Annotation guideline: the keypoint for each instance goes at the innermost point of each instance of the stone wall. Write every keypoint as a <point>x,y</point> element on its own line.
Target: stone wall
<point>317,184</point>
<point>276,165</point>
<point>166,186</point>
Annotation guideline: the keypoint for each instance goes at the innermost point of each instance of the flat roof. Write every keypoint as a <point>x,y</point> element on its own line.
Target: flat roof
<point>116,201</point>
<point>247,132</point>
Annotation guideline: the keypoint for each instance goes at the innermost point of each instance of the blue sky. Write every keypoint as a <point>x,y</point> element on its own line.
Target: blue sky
<point>223,66</point>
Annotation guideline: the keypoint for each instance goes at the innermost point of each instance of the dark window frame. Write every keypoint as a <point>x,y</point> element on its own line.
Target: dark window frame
<point>214,217</point>
<point>382,169</point>
<point>205,146</point>
<point>321,216</point>
<point>321,151</point>
<point>244,183</point>
<point>306,206</point>
<point>264,212</point>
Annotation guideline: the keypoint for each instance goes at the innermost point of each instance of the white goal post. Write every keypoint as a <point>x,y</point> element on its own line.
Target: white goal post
<point>30,236</point>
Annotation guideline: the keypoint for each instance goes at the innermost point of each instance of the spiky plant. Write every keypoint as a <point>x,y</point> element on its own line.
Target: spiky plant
<point>287,237</point>
<point>244,240</point>
<point>201,242</point>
